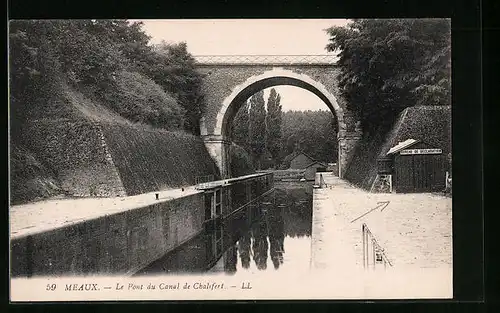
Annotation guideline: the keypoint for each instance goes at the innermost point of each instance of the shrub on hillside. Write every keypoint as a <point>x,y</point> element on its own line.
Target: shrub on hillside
<point>94,55</point>
<point>173,67</point>
<point>241,162</point>
<point>29,179</point>
<point>140,99</point>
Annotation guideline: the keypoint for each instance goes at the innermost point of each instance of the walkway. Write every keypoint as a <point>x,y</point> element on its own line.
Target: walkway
<point>45,215</point>
<point>414,229</point>
<point>50,214</point>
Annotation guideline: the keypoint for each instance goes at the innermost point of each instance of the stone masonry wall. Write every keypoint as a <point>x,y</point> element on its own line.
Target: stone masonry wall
<point>77,153</point>
<point>99,159</point>
<point>152,159</point>
<point>219,82</point>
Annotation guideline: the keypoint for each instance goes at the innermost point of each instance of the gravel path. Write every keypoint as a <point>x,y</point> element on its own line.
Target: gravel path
<point>415,230</point>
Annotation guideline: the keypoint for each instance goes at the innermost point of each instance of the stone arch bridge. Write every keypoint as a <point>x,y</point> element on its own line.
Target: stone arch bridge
<point>231,80</point>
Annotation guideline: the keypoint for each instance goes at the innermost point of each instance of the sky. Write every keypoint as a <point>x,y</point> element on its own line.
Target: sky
<point>252,36</point>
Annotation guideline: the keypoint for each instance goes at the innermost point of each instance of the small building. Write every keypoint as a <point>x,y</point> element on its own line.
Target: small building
<point>412,154</point>
<point>333,167</point>
<point>312,168</point>
<point>415,166</point>
<point>298,160</point>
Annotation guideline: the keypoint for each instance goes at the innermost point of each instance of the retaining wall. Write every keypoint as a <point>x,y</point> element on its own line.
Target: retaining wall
<point>121,243</point>
<point>151,159</point>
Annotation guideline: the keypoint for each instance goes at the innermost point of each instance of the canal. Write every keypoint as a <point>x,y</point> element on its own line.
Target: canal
<point>271,234</point>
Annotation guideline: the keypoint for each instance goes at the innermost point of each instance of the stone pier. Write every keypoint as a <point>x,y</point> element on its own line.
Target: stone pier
<point>219,149</point>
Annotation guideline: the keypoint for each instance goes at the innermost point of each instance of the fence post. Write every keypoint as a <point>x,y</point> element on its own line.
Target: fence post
<point>374,252</point>
<point>364,245</point>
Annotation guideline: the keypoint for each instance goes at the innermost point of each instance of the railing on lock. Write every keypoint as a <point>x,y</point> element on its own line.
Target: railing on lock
<point>373,254</point>
<point>201,180</point>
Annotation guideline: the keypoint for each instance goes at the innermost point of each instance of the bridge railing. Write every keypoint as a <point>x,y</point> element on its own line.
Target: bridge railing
<point>326,59</point>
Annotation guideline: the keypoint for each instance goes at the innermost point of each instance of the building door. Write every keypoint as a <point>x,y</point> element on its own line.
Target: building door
<point>403,173</point>
<point>420,173</point>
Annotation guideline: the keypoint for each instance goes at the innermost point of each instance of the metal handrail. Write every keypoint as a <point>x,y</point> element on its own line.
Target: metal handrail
<point>203,179</point>
<point>367,234</point>
<point>266,59</point>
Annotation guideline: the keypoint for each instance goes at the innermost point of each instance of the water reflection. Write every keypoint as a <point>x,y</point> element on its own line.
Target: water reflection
<point>277,236</point>
<point>288,217</point>
<point>243,247</point>
<point>259,244</point>
<point>266,235</point>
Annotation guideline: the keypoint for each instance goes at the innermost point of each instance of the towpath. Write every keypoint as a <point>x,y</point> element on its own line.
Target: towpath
<point>45,215</point>
<point>415,231</point>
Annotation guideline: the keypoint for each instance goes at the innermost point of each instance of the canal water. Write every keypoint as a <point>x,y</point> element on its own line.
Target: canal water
<point>273,234</point>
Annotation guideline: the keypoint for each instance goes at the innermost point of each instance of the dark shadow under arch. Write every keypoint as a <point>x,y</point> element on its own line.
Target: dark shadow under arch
<point>250,90</point>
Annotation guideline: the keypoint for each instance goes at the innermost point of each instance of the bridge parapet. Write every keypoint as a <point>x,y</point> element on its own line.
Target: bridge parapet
<point>327,59</point>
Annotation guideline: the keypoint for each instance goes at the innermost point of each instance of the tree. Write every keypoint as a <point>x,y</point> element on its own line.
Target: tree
<point>257,127</point>
<point>240,127</point>
<point>312,132</point>
<point>177,73</point>
<point>273,126</point>
<point>108,61</point>
<point>45,53</point>
<point>388,64</point>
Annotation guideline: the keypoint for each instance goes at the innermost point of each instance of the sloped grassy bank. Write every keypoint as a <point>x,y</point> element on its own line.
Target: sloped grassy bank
<point>430,124</point>
<point>85,150</point>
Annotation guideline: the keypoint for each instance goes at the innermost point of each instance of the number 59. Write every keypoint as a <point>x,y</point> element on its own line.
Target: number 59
<point>50,287</point>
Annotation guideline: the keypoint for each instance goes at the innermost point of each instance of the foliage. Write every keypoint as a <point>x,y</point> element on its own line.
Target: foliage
<point>174,69</point>
<point>241,162</point>
<point>102,57</point>
<point>66,46</point>
<point>313,132</point>
<point>140,99</point>
<point>240,127</point>
<point>390,64</point>
<point>257,126</point>
<point>273,126</point>
<point>29,178</point>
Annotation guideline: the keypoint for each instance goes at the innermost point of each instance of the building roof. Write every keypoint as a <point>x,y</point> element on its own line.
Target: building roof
<point>402,145</point>
<point>428,124</point>
<point>295,154</point>
<point>316,162</point>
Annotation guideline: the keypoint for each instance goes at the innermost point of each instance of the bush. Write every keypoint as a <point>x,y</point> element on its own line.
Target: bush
<point>241,162</point>
<point>105,57</point>
<point>140,99</point>
<point>30,179</point>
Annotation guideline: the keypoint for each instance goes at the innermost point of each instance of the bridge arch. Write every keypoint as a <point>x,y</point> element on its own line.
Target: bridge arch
<point>275,77</point>
<point>229,83</point>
